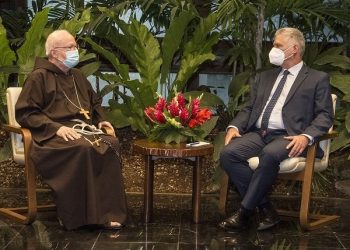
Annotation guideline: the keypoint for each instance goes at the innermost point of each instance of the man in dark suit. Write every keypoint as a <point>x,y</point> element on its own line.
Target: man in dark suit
<point>289,106</point>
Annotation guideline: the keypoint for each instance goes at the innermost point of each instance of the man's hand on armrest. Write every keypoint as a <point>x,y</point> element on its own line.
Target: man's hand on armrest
<point>231,133</point>
<point>298,144</point>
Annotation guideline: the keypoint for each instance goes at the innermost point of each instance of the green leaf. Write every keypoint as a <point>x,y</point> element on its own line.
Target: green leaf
<point>335,60</point>
<point>84,56</point>
<point>122,69</point>
<point>77,23</point>
<point>147,54</point>
<point>124,43</point>
<point>189,65</point>
<point>7,55</point>
<point>340,141</point>
<point>197,50</point>
<point>209,125</point>
<point>201,42</point>
<point>90,68</point>
<point>172,40</point>
<point>144,95</point>
<point>117,118</point>
<point>33,43</point>
<point>342,82</point>
<point>237,82</point>
<point>331,52</point>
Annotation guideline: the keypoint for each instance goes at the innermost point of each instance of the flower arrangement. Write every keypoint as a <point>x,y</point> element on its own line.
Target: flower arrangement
<point>177,121</point>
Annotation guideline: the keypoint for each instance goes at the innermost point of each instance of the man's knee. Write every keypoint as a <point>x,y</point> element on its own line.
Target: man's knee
<point>227,157</point>
<point>273,154</point>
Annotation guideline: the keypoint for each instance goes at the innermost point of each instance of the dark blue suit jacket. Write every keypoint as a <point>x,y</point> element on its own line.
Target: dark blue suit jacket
<point>308,108</point>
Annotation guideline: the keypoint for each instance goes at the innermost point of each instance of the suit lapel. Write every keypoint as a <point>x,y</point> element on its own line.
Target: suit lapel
<point>298,81</point>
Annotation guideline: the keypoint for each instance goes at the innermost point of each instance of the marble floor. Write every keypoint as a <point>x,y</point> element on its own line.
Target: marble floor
<point>172,228</point>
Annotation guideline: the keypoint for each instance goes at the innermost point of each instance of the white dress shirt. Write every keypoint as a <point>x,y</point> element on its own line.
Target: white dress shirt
<point>276,121</point>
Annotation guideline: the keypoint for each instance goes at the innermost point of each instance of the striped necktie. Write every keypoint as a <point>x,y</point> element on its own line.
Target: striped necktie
<point>268,110</point>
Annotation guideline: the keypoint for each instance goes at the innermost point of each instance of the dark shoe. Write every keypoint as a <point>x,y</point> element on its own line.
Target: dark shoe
<point>238,220</point>
<point>268,218</point>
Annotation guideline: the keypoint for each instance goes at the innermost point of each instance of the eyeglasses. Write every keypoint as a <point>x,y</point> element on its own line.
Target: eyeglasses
<point>72,47</point>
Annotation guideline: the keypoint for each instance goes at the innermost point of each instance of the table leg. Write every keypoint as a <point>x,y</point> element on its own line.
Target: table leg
<point>148,188</point>
<point>196,189</point>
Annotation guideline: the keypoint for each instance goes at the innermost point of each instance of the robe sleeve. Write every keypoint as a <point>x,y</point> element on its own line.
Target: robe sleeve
<point>30,109</point>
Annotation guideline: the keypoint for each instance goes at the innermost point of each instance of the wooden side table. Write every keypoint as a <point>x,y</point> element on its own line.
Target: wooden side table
<point>152,150</point>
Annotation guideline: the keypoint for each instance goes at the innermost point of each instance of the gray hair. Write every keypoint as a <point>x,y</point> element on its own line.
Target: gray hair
<point>52,38</point>
<point>295,35</point>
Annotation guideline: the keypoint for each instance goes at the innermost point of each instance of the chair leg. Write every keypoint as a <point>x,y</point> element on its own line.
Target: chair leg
<point>31,210</point>
<point>309,221</point>
<point>26,215</point>
<point>224,186</point>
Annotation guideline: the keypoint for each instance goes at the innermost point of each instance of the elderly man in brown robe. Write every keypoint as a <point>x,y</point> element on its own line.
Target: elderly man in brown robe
<point>75,158</point>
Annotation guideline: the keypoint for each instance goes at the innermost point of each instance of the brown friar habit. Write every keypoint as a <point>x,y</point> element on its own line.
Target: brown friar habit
<point>86,179</point>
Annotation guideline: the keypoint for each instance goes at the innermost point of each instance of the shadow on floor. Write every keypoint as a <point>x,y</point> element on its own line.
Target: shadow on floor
<point>172,228</point>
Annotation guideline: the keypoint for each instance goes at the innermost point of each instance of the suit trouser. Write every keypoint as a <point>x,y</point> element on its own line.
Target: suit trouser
<point>254,185</point>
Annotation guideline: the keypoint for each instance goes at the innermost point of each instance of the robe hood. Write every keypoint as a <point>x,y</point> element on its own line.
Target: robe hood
<point>44,63</point>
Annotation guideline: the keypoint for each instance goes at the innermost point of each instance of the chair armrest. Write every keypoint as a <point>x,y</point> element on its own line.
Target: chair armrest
<point>27,136</point>
<point>326,136</point>
<point>11,128</point>
<point>108,131</point>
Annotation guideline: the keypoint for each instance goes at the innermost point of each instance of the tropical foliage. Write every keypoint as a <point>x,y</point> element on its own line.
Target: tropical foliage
<point>180,36</point>
<point>153,61</point>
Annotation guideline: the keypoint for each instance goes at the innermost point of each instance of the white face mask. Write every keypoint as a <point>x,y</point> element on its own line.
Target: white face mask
<point>72,58</point>
<point>277,56</point>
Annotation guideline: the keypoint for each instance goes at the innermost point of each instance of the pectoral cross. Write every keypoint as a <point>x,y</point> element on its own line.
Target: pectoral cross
<point>85,113</point>
<point>97,142</point>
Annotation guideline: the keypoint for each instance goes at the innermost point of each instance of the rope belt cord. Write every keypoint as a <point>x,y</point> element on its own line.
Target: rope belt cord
<point>86,129</point>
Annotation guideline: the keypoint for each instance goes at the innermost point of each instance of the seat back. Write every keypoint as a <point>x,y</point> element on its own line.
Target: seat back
<point>326,144</point>
<point>12,95</point>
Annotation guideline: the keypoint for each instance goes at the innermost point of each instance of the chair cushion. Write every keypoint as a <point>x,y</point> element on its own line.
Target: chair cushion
<point>291,165</point>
